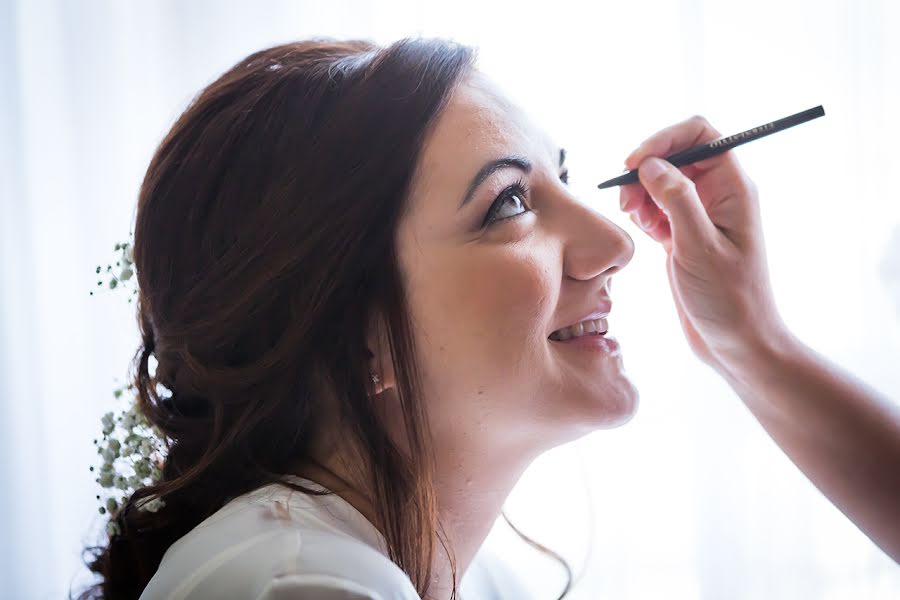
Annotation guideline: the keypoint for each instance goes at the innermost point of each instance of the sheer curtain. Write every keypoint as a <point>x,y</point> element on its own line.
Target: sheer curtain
<point>691,499</point>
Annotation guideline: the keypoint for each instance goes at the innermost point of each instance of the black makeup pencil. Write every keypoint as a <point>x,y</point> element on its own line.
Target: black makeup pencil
<point>697,153</point>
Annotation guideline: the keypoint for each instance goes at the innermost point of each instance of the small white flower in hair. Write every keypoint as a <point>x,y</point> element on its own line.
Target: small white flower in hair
<point>129,434</point>
<point>112,528</point>
<point>108,424</point>
<point>152,505</point>
<point>128,420</point>
<point>109,455</point>
<point>146,448</point>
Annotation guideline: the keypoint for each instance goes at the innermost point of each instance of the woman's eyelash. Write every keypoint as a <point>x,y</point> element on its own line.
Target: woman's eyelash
<point>520,187</point>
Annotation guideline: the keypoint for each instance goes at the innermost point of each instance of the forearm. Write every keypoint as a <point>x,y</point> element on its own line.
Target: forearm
<point>841,433</point>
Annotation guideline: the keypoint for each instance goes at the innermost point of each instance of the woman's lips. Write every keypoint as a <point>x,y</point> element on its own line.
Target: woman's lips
<point>599,311</point>
<point>602,327</point>
<point>604,344</point>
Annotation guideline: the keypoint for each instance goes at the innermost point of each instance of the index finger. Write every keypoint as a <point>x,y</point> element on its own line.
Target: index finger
<point>675,138</point>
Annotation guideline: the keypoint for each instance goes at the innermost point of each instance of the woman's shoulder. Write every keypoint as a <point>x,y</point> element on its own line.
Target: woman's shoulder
<point>276,543</point>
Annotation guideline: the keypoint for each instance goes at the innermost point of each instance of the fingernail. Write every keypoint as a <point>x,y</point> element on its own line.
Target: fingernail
<point>638,221</point>
<point>653,167</point>
<point>633,153</point>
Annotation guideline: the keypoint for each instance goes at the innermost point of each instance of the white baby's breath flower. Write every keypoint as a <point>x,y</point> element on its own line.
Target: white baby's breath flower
<point>112,528</point>
<point>108,424</point>
<point>142,468</point>
<point>136,436</point>
<point>152,504</point>
<point>128,420</point>
<point>139,419</point>
<point>146,448</point>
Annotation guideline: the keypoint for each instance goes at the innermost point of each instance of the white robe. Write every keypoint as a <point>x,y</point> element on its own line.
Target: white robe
<point>277,544</point>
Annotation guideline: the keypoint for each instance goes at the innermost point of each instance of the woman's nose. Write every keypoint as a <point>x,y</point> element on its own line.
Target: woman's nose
<point>594,244</point>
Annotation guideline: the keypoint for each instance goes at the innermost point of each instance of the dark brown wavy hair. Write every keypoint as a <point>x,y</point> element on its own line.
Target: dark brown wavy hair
<point>263,247</point>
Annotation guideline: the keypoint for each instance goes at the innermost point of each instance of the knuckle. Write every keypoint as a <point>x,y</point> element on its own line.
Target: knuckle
<point>700,120</point>
<point>706,128</point>
<point>678,187</point>
<point>745,187</point>
<point>710,248</point>
<point>735,263</point>
<point>752,188</point>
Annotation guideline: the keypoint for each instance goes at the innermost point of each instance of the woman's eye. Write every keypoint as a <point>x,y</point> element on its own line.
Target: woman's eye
<point>518,190</point>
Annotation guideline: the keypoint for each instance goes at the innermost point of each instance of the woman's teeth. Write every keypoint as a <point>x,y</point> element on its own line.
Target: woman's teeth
<point>593,326</point>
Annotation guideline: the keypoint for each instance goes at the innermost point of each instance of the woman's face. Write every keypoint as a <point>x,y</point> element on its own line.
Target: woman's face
<point>485,299</point>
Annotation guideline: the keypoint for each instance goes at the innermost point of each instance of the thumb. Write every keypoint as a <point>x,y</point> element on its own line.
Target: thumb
<point>676,195</point>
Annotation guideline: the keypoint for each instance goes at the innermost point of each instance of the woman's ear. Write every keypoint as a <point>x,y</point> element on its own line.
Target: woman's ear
<point>381,367</point>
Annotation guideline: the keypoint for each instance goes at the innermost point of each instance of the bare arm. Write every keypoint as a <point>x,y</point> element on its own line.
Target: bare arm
<point>841,433</point>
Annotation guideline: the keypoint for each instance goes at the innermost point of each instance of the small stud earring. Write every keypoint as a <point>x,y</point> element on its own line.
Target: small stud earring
<point>374,377</point>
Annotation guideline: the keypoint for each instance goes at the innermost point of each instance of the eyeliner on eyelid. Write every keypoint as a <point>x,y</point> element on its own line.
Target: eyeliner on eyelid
<point>521,187</point>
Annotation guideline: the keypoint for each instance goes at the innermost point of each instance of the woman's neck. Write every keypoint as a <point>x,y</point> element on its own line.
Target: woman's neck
<point>471,486</point>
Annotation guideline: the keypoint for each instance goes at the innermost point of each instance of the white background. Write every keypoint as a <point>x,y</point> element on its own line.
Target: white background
<point>689,500</point>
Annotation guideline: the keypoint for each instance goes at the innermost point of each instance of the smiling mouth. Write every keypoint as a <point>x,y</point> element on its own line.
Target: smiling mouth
<point>592,327</point>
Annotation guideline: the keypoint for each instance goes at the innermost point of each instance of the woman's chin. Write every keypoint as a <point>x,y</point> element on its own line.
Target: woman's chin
<point>613,407</point>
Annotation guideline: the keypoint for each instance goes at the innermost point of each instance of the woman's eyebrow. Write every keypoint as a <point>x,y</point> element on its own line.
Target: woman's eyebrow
<point>515,162</point>
<point>507,162</point>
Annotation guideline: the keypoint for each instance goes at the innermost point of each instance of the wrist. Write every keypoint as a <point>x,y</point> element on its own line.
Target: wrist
<point>759,356</point>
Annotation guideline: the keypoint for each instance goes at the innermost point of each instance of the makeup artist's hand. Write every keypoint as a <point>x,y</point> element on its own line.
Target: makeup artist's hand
<point>706,217</point>
<point>843,434</point>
